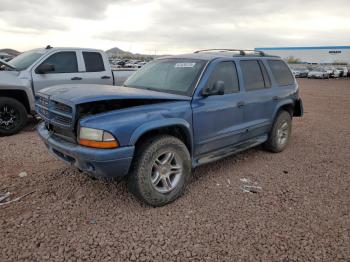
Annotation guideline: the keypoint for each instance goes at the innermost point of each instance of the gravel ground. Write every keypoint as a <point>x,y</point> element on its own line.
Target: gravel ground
<point>301,213</point>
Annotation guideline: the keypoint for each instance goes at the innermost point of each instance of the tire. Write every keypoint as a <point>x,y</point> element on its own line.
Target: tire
<point>151,167</point>
<point>280,133</point>
<point>13,116</point>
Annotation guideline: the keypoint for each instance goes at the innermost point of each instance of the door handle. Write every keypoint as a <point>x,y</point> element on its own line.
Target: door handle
<point>76,78</point>
<point>240,104</point>
<point>276,98</point>
<point>105,77</point>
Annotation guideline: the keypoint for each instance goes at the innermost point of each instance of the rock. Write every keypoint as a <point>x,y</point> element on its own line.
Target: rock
<point>23,174</point>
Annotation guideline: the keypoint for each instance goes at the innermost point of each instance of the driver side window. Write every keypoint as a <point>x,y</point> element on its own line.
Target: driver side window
<point>226,72</point>
<point>64,62</point>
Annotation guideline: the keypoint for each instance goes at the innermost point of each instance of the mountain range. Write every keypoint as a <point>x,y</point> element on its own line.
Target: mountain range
<point>10,51</point>
<point>117,52</point>
<point>113,52</point>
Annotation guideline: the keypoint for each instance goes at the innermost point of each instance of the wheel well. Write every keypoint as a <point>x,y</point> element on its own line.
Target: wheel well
<point>175,130</point>
<point>19,95</point>
<point>289,108</point>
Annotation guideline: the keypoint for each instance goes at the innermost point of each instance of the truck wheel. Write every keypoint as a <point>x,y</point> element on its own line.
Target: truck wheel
<point>280,133</point>
<point>13,116</point>
<point>160,171</point>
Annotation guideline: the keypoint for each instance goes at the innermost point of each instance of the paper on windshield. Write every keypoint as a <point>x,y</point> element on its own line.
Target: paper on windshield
<point>183,65</point>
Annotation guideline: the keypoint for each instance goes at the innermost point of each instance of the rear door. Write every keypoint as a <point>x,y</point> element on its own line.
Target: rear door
<point>96,68</point>
<point>258,104</point>
<point>66,70</point>
<point>217,119</point>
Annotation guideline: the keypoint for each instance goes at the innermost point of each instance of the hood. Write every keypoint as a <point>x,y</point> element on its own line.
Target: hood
<point>2,62</point>
<point>79,94</point>
<point>9,78</point>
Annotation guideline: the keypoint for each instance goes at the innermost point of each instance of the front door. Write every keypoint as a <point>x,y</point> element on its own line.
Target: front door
<point>65,71</point>
<point>218,119</point>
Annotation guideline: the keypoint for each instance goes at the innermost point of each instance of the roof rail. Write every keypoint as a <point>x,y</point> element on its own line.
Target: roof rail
<point>241,51</point>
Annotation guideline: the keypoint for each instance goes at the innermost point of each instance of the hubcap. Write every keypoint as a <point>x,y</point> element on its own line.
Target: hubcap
<point>283,133</point>
<point>8,117</point>
<point>166,172</point>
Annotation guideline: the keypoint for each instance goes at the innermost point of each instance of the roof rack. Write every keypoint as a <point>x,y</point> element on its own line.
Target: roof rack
<point>241,51</point>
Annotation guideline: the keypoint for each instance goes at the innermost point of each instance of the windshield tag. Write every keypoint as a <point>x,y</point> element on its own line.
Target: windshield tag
<point>182,65</point>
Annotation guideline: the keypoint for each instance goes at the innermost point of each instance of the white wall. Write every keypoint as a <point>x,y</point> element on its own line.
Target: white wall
<point>313,55</point>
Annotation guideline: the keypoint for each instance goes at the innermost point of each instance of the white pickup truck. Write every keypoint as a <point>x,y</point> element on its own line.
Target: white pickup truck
<point>31,71</point>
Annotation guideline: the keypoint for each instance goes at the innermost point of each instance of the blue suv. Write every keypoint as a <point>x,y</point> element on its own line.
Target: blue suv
<point>174,114</point>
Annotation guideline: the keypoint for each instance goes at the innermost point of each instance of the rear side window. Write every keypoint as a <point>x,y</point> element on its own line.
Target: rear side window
<point>226,72</point>
<point>281,72</point>
<point>265,75</point>
<point>252,75</point>
<point>93,62</point>
<point>64,62</point>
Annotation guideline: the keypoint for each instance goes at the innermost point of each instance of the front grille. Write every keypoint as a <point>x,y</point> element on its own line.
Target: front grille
<point>62,120</point>
<point>54,112</point>
<point>62,107</point>
<point>63,133</point>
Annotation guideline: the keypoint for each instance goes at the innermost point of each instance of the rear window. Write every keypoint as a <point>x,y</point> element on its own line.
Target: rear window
<point>281,72</point>
<point>93,62</point>
<point>252,75</point>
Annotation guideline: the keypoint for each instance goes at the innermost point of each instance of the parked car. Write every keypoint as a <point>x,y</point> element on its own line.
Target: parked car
<point>318,73</point>
<point>34,70</point>
<point>343,71</point>
<point>172,115</point>
<point>300,72</point>
<point>336,73</point>
<point>333,72</point>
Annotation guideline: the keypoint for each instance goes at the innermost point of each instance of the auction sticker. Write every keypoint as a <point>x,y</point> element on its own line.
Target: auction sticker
<point>182,65</point>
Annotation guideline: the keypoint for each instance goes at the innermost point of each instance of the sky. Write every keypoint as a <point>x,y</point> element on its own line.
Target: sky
<point>172,26</point>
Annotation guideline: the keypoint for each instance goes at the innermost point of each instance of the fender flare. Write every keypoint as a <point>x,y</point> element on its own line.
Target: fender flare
<point>153,125</point>
<point>287,102</point>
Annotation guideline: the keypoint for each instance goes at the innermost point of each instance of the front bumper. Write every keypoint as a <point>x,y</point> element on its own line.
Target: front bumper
<point>98,162</point>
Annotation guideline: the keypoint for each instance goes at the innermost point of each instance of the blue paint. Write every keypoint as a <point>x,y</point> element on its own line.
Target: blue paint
<point>212,126</point>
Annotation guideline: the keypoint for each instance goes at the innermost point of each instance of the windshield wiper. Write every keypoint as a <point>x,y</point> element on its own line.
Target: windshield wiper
<point>3,63</point>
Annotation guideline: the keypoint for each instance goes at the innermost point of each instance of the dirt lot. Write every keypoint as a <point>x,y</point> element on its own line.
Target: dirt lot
<point>302,212</point>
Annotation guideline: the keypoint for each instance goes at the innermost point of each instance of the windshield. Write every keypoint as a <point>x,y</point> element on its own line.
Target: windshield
<point>24,60</point>
<point>171,75</point>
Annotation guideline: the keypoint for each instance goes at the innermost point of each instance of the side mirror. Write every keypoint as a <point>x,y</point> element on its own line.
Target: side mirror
<point>45,68</point>
<point>217,89</point>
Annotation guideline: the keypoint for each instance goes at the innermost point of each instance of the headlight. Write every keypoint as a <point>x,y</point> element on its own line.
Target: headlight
<point>97,138</point>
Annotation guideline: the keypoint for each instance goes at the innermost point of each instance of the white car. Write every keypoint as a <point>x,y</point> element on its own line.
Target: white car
<point>300,72</point>
<point>344,71</point>
<point>333,72</point>
<point>318,73</point>
<point>336,73</point>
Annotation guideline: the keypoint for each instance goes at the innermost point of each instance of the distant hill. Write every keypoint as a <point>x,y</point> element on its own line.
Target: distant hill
<point>10,51</point>
<point>117,52</point>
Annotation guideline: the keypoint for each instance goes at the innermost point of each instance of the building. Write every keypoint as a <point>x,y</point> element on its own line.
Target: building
<point>311,54</point>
